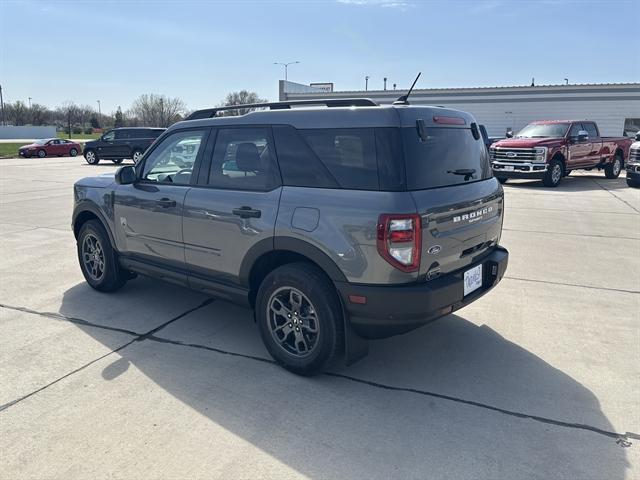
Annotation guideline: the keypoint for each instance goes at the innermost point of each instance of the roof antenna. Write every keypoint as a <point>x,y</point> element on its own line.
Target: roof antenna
<point>404,99</point>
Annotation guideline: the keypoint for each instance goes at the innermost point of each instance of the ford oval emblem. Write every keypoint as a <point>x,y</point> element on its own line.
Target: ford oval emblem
<point>512,154</point>
<point>434,250</point>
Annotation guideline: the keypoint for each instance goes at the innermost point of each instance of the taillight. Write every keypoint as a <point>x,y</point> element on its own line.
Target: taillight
<point>399,240</point>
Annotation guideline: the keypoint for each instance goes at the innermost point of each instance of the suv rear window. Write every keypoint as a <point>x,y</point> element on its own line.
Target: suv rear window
<point>443,158</point>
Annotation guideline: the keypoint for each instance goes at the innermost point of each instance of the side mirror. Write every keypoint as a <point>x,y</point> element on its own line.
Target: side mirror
<point>638,136</point>
<point>509,134</point>
<point>126,175</point>
<point>583,136</point>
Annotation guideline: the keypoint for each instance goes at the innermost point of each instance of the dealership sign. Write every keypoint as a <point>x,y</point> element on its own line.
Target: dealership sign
<point>325,87</point>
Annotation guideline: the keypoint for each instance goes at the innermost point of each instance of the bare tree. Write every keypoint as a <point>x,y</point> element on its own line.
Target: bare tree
<point>39,114</point>
<point>152,110</point>
<point>17,113</point>
<point>243,97</point>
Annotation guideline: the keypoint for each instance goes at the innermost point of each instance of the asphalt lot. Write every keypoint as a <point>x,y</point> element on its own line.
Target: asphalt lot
<point>538,379</point>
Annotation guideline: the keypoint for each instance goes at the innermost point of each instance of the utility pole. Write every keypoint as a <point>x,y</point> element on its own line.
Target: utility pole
<point>1,106</point>
<point>29,103</point>
<point>366,83</point>
<point>99,114</point>
<point>286,67</point>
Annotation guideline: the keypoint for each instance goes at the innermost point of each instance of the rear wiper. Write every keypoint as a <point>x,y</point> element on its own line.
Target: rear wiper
<point>467,172</point>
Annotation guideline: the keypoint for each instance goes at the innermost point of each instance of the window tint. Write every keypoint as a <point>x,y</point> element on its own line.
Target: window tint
<point>242,160</point>
<point>575,129</point>
<point>122,134</point>
<point>591,129</point>
<point>299,166</point>
<point>109,136</point>
<point>444,158</point>
<point>348,153</point>
<point>173,159</point>
<point>153,133</point>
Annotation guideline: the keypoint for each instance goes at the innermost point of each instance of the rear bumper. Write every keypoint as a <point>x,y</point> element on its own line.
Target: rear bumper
<point>395,309</point>
<point>502,169</point>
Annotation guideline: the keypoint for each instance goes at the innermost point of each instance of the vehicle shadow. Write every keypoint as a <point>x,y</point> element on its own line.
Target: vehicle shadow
<point>338,427</point>
<point>576,182</point>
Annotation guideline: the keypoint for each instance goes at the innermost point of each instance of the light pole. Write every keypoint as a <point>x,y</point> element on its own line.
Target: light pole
<point>286,67</point>
<point>366,83</point>
<point>385,83</point>
<point>29,102</point>
<point>566,81</point>
<point>1,106</point>
<point>99,114</point>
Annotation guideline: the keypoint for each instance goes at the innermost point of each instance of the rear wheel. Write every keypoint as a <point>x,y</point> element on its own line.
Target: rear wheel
<point>117,161</point>
<point>612,170</point>
<point>73,152</point>
<point>300,318</point>
<point>98,260</point>
<point>553,175</point>
<point>137,155</point>
<point>91,157</point>
<point>42,153</point>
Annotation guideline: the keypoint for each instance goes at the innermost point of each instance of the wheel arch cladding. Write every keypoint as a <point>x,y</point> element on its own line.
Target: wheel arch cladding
<point>86,214</point>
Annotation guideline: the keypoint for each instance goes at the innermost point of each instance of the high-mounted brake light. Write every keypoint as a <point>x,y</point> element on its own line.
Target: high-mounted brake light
<point>449,120</point>
<point>399,240</point>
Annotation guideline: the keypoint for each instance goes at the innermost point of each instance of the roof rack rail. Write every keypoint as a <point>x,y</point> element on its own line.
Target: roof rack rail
<point>333,102</point>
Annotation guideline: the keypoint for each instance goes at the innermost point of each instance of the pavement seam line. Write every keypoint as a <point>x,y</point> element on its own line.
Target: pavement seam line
<point>150,335</point>
<point>568,234</point>
<point>621,290</point>
<point>615,196</point>
<point>537,418</point>
<point>138,338</point>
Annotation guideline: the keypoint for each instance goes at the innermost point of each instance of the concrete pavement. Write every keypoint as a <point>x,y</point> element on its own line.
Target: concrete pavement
<point>538,379</point>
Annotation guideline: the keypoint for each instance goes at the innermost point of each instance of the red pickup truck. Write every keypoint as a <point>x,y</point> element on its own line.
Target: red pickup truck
<point>549,150</point>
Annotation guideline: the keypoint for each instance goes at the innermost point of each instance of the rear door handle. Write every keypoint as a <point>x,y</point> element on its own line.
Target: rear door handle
<point>167,203</point>
<point>247,212</point>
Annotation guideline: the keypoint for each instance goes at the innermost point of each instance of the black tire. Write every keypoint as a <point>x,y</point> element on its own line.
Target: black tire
<point>136,155</point>
<point>42,153</point>
<point>73,152</point>
<point>633,183</point>
<point>553,175</point>
<point>91,157</point>
<point>567,172</point>
<point>117,161</point>
<point>502,180</point>
<point>612,170</point>
<point>99,265</point>
<point>319,307</point>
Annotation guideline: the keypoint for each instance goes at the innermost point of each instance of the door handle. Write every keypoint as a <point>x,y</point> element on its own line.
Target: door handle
<point>247,212</point>
<point>166,203</point>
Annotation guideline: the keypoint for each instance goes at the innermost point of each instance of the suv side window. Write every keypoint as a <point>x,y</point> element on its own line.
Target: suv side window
<point>348,153</point>
<point>173,159</point>
<point>243,160</point>
<point>591,128</point>
<point>109,136</point>
<point>122,134</point>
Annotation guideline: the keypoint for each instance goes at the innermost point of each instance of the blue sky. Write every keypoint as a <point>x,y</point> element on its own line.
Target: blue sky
<point>199,50</point>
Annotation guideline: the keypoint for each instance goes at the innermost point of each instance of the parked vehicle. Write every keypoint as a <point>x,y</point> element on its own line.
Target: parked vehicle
<point>49,147</point>
<point>335,224</point>
<point>633,165</point>
<point>550,150</point>
<point>121,143</point>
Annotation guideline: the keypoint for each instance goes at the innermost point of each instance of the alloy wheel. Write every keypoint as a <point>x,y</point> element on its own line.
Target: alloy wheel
<point>293,321</point>
<point>556,173</point>
<point>93,257</point>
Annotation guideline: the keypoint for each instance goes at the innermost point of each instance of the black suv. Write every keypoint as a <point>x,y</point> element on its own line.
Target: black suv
<point>121,143</point>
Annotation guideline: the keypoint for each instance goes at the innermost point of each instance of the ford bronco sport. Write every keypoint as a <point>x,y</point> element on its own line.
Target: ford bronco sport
<point>334,224</point>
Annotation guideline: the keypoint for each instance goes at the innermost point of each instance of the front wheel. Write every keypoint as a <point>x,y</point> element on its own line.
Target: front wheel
<point>300,318</point>
<point>553,175</point>
<point>612,170</point>
<point>91,157</point>
<point>42,153</point>
<point>97,258</point>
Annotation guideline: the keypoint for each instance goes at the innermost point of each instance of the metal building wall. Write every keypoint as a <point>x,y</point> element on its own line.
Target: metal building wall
<point>503,107</point>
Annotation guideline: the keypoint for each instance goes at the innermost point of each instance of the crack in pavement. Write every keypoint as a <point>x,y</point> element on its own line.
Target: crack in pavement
<point>621,439</point>
<point>138,338</point>
<point>621,290</point>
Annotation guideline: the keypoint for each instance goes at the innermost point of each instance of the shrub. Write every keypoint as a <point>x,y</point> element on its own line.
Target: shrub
<point>77,129</point>
<point>88,130</point>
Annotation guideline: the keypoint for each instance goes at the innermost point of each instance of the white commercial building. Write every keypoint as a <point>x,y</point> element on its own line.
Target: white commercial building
<point>615,106</point>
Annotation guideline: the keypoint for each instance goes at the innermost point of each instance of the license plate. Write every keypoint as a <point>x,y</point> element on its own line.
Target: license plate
<point>508,168</point>
<point>472,279</point>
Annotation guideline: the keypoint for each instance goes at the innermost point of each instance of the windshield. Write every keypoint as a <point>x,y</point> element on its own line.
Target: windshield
<point>550,130</point>
<point>447,156</point>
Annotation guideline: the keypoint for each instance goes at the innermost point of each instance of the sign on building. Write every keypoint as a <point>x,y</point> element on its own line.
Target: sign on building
<point>325,87</point>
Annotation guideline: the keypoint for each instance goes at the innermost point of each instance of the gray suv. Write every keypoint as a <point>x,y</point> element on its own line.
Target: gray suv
<point>336,224</point>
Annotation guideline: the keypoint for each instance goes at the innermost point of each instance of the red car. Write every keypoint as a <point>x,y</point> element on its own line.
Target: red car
<point>50,147</point>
